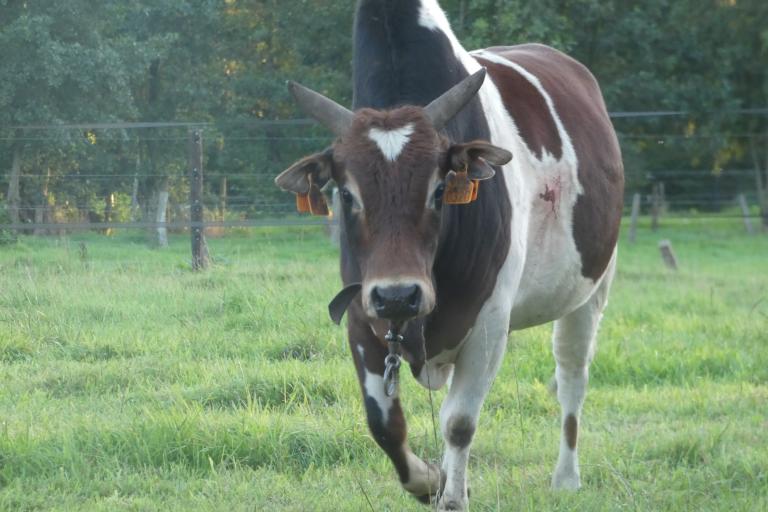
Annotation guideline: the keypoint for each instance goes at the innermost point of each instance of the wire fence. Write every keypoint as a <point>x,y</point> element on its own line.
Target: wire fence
<point>106,176</point>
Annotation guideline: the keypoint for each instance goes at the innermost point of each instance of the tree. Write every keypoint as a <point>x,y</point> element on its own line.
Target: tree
<point>63,62</point>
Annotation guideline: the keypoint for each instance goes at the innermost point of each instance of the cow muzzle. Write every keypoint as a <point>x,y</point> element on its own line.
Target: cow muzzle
<point>399,301</point>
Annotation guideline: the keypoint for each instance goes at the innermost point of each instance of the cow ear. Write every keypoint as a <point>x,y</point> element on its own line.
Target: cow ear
<point>305,178</point>
<point>313,169</point>
<point>477,157</point>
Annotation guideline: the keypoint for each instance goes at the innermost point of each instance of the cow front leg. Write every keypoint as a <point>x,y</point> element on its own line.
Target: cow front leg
<point>475,368</point>
<point>573,343</point>
<point>386,420</point>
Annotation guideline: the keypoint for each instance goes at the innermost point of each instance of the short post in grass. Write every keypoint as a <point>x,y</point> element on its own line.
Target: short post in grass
<point>667,254</point>
<point>635,215</point>
<point>197,231</point>
<point>745,212</point>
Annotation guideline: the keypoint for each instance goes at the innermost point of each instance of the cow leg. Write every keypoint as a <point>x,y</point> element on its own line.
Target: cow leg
<point>385,417</point>
<point>475,368</point>
<point>574,343</point>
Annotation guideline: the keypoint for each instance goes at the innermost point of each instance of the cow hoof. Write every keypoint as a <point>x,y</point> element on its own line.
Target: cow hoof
<point>566,481</point>
<point>428,499</point>
<point>451,505</point>
<point>434,494</point>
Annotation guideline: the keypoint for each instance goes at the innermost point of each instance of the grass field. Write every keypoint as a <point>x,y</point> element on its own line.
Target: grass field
<point>128,382</point>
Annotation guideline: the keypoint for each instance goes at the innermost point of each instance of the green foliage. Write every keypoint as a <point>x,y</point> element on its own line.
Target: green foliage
<point>226,62</point>
<point>130,382</point>
<point>7,236</point>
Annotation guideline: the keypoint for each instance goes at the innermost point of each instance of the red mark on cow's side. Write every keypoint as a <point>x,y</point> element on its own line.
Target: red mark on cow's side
<point>550,195</point>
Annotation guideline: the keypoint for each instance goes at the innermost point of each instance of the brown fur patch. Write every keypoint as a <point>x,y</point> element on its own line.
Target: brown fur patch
<point>571,429</point>
<point>579,104</point>
<point>460,431</point>
<point>527,107</point>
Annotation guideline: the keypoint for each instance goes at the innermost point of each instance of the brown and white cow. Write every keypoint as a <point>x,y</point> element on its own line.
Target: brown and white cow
<point>537,245</point>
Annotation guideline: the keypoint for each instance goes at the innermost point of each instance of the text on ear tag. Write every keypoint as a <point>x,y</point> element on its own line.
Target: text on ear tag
<point>458,188</point>
<point>302,203</point>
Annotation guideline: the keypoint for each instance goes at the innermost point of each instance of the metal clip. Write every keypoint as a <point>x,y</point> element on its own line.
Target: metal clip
<point>392,361</point>
<point>393,337</point>
<point>391,374</point>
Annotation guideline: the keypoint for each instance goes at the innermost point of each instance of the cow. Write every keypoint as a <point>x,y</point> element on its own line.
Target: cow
<point>481,194</point>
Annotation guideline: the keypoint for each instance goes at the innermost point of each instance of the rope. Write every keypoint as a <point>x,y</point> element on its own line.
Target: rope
<point>436,447</point>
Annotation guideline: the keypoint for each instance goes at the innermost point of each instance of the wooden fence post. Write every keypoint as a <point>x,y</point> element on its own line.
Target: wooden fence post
<point>223,198</point>
<point>161,214</point>
<point>635,215</point>
<point>655,206</point>
<point>745,212</point>
<point>667,254</point>
<point>197,231</point>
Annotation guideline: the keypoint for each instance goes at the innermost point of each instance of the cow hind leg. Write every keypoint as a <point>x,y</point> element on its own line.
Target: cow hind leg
<point>574,346</point>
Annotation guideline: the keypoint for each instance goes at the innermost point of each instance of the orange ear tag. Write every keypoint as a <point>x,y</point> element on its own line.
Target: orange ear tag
<point>475,188</point>
<point>317,204</point>
<point>302,203</point>
<point>458,188</point>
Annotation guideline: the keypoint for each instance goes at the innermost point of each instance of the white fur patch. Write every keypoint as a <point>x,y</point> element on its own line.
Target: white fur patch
<point>374,388</point>
<point>391,142</point>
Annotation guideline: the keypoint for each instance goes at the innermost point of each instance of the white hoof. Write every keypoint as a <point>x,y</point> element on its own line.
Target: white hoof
<point>566,481</point>
<point>451,505</point>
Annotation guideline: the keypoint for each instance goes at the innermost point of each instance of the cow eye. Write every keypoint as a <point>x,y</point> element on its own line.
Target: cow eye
<point>437,196</point>
<point>346,197</point>
<point>349,200</point>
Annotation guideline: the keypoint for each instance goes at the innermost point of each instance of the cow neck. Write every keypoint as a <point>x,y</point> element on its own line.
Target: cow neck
<point>396,62</point>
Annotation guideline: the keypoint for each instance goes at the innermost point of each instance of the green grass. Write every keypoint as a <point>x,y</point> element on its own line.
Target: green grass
<point>128,382</point>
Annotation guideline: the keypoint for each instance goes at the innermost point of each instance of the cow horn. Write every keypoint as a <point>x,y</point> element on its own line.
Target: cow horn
<point>329,113</point>
<point>442,109</point>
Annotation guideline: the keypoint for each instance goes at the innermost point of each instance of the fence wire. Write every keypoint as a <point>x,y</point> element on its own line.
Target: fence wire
<point>101,176</point>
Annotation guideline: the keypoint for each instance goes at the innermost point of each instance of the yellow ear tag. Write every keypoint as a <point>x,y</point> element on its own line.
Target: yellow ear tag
<point>459,189</point>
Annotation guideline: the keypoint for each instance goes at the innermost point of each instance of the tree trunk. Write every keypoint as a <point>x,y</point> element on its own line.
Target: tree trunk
<point>135,199</point>
<point>656,206</point>
<point>761,181</point>
<point>109,204</point>
<point>14,195</point>
<point>223,197</point>
<point>42,207</point>
<point>462,16</point>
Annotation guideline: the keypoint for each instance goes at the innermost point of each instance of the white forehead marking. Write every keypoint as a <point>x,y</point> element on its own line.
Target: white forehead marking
<point>391,142</point>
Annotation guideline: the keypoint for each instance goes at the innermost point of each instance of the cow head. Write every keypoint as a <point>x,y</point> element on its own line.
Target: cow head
<point>392,168</point>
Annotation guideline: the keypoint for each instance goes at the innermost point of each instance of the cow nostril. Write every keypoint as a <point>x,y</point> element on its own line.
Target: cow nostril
<point>414,298</point>
<point>376,298</point>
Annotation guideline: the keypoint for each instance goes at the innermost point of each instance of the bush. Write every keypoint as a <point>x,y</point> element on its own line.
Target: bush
<point>7,236</point>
